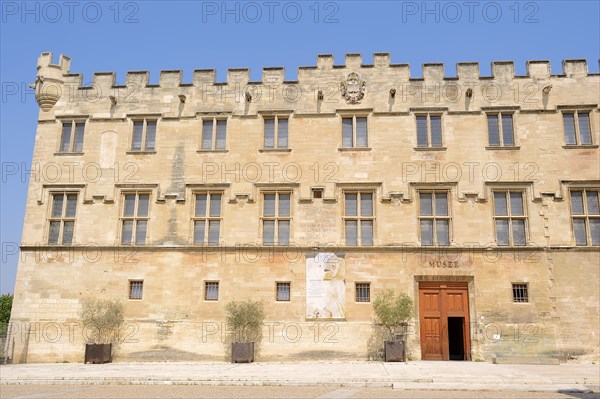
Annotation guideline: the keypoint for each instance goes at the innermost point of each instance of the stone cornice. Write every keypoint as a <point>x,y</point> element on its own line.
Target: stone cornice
<point>402,248</point>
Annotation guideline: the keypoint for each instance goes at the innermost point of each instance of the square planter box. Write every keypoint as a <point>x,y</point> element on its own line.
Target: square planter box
<point>98,353</point>
<point>395,351</point>
<point>242,352</point>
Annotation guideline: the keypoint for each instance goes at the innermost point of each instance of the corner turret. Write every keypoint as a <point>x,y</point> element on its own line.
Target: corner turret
<point>49,80</point>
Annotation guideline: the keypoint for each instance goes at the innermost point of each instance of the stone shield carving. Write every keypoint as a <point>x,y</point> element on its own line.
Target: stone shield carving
<point>353,89</point>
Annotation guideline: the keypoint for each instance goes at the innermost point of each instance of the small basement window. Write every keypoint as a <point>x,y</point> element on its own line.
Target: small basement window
<point>363,292</point>
<point>211,290</point>
<point>283,292</point>
<point>136,289</point>
<point>520,293</point>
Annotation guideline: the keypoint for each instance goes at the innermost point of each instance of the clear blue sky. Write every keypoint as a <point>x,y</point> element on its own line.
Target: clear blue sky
<point>187,35</point>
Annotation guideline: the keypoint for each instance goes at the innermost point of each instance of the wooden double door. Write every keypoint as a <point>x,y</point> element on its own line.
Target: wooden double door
<point>444,320</point>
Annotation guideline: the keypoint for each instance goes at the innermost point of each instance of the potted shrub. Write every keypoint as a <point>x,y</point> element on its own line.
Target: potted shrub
<point>102,321</point>
<point>393,311</point>
<point>245,320</point>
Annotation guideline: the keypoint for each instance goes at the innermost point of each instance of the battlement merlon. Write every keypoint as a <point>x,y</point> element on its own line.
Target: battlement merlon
<point>575,68</point>
<point>434,72</point>
<point>45,61</point>
<point>47,71</point>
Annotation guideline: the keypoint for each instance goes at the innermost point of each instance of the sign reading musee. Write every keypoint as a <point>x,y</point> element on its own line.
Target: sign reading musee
<point>325,287</point>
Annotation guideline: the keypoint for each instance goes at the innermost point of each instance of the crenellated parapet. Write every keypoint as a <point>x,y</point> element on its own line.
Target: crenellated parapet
<point>324,88</point>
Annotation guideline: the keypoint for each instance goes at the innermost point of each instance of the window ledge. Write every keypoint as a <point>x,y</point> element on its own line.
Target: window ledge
<point>140,152</point>
<point>212,151</point>
<point>514,246</point>
<point>65,153</point>
<point>430,148</point>
<point>503,147</point>
<point>275,150</point>
<point>350,149</point>
<point>580,146</point>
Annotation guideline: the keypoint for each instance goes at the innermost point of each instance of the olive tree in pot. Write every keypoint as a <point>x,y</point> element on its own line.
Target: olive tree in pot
<point>102,321</point>
<point>393,311</point>
<point>245,320</point>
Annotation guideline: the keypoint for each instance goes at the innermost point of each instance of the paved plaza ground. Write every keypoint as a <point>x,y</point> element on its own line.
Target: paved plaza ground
<point>573,379</point>
<point>261,392</point>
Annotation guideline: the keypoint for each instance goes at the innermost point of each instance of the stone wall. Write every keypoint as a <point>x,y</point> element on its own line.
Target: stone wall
<point>169,323</point>
<point>174,320</point>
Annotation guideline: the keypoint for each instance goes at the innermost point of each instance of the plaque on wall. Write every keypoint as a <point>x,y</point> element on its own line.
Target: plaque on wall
<point>325,287</point>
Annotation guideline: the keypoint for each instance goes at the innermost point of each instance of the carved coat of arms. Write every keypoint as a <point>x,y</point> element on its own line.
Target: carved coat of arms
<point>353,89</point>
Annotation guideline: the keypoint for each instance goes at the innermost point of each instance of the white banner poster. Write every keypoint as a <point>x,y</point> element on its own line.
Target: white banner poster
<point>325,287</point>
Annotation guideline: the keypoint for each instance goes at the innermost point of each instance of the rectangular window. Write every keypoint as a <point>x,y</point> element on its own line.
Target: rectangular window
<point>500,129</point>
<point>71,139</point>
<point>211,290</point>
<point>577,128</point>
<point>585,215</point>
<point>354,132</point>
<point>434,218</point>
<point>520,293</point>
<point>363,292</point>
<point>429,130</point>
<point>276,132</point>
<point>276,218</point>
<point>136,289</point>
<point>283,292</point>
<point>144,135</point>
<point>134,222</point>
<point>207,218</point>
<point>510,218</point>
<point>62,218</point>
<point>214,134</point>
<point>358,218</point>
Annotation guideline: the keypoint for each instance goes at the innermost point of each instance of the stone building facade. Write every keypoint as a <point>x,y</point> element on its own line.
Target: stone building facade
<point>475,195</point>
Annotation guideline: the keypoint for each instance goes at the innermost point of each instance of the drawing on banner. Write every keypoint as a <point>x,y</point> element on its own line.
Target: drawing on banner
<point>325,287</point>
